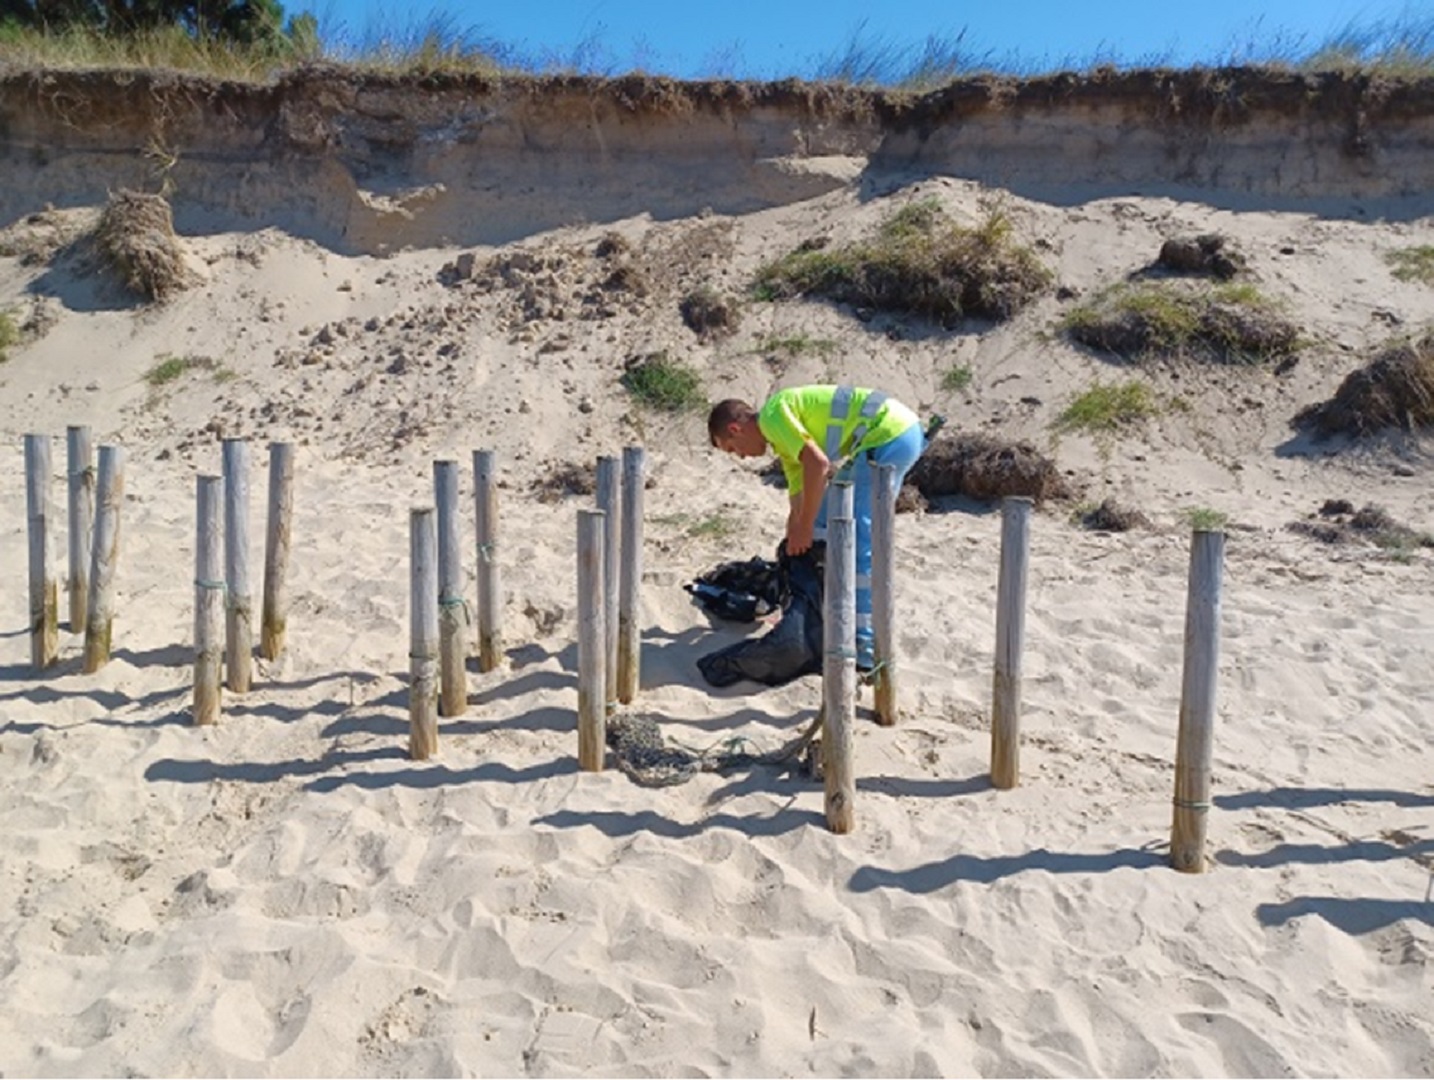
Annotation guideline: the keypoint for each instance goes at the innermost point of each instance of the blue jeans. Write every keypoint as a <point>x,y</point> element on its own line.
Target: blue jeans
<point>900,453</point>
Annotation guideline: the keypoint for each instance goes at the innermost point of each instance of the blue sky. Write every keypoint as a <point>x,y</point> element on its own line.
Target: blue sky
<point>767,39</point>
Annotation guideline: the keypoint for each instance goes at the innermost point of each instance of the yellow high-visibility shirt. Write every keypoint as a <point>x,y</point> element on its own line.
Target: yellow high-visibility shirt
<point>797,415</point>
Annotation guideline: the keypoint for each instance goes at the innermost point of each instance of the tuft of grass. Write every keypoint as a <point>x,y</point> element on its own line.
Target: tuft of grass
<point>169,368</point>
<point>714,526</point>
<point>1202,518</point>
<point>919,262</point>
<point>1108,407</point>
<point>9,334</point>
<point>956,379</point>
<point>1413,264</point>
<point>796,345</point>
<point>663,384</point>
<point>1228,323</point>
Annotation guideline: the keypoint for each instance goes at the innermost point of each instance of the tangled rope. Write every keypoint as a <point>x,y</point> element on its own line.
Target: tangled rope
<point>645,756</point>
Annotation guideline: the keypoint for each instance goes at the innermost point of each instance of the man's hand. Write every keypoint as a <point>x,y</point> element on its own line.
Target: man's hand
<point>799,537</point>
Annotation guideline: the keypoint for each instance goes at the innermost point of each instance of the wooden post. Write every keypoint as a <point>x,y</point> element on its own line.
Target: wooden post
<point>275,617</point>
<point>629,632</point>
<point>452,610</point>
<point>1197,702</point>
<point>609,501</point>
<point>81,490</point>
<point>104,556</point>
<point>490,594</point>
<point>839,674</point>
<point>592,641</point>
<point>840,500</point>
<point>238,596</point>
<point>883,589</point>
<point>423,636</point>
<point>208,599</point>
<point>1010,637</point>
<point>44,590</point>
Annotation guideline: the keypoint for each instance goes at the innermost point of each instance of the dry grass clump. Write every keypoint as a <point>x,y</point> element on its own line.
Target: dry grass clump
<point>1110,516</point>
<point>982,467</point>
<point>1232,324</point>
<point>1338,522</point>
<point>1209,253</point>
<point>918,262</point>
<point>566,479</point>
<point>1395,390</point>
<point>136,238</point>
<point>709,314</point>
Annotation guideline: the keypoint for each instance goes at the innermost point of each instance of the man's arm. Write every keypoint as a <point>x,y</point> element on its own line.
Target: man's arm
<point>807,503</point>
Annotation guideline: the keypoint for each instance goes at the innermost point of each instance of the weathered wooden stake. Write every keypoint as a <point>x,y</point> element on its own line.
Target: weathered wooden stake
<point>452,608</point>
<point>883,589</point>
<point>275,616</point>
<point>490,596</point>
<point>840,500</point>
<point>238,597</point>
<point>80,469</point>
<point>1195,742</point>
<point>1010,637</point>
<point>208,598</point>
<point>104,557</point>
<point>423,637</point>
<point>44,590</point>
<point>629,632</point>
<point>839,675</point>
<point>609,501</point>
<point>592,641</point>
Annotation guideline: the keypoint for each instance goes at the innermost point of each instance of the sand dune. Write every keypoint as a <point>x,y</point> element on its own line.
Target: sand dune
<point>287,894</point>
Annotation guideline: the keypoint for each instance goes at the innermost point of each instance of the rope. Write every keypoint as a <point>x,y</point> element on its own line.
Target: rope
<point>200,584</point>
<point>647,759</point>
<point>1186,804</point>
<point>457,601</point>
<point>485,551</point>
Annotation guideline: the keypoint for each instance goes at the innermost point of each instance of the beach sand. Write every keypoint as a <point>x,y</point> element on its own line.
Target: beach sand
<point>287,894</point>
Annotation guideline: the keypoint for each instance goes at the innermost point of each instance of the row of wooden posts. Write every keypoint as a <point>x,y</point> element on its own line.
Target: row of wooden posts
<point>222,590</point>
<point>609,573</point>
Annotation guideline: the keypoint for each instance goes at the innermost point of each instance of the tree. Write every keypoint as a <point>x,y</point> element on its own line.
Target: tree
<point>249,22</point>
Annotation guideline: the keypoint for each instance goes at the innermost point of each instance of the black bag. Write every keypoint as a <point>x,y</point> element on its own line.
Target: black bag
<point>790,649</point>
<point>739,591</point>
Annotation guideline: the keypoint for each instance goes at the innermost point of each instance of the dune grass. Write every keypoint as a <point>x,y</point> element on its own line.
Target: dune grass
<point>918,261</point>
<point>956,379</point>
<point>664,385</point>
<point>1413,264</point>
<point>1108,407</point>
<point>413,43</point>
<point>9,335</point>
<point>1227,323</point>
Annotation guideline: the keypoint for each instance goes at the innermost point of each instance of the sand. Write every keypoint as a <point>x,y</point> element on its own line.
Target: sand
<point>287,894</point>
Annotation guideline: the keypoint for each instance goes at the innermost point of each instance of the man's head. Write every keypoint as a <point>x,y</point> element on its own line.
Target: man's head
<point>732,426</point>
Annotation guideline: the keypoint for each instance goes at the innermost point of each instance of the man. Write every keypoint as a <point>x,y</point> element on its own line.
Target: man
<point>813,430</point>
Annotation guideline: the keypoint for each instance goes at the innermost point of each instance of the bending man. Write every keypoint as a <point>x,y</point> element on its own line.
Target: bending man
<point>812,430</point>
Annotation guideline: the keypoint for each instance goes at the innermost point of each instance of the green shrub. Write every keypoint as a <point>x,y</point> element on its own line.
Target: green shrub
<point>660,383</point>
<point>1232,323</point>
<point>917,262</point>
<point>1108,407</point>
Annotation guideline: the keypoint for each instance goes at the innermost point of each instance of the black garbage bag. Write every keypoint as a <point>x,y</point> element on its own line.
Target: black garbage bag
<point>739,591</point>
<point>790,649</point>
